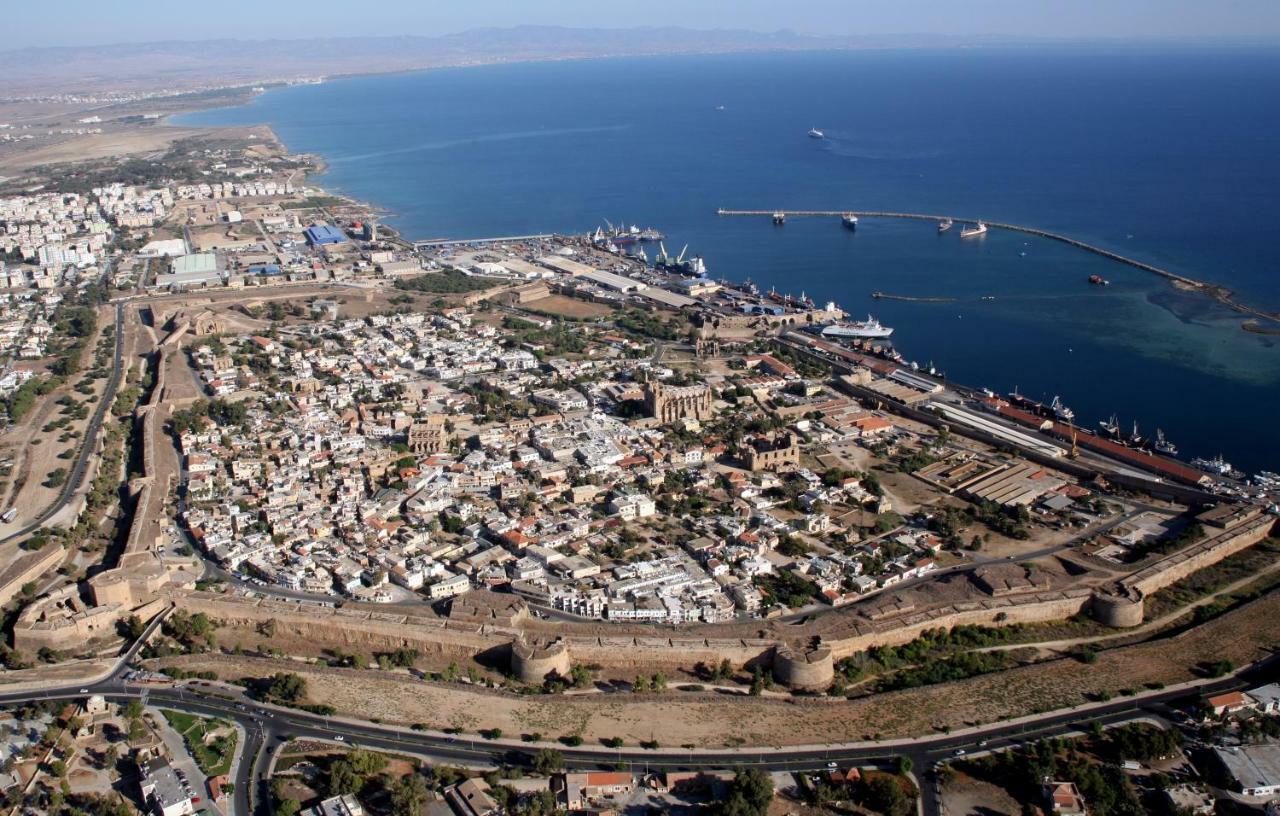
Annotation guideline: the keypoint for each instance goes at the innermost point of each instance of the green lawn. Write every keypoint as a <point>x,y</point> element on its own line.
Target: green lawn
<point>214,758</point>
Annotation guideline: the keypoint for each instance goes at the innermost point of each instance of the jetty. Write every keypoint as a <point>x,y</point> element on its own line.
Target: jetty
<point>1216,291</point>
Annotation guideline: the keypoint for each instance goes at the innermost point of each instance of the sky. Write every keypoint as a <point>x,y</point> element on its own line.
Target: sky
<point>94,22</point>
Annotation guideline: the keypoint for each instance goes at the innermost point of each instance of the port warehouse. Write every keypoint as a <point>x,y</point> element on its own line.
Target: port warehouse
<point>1190,494</point>
<point>999,431</point>
<point>318,234</point>
<point>1137,458</point>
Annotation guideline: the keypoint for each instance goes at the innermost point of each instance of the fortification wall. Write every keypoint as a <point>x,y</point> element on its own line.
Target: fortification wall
<point>58,621</point>
<point>28,567</point>
<point>642,653</point>
<point>366,629</point>
<point>351,627</point>
<point>533,662</point>
<point>806,670</point>
<point>1039,608</point>
<point>1179,565</point>
<point>1122,609</point>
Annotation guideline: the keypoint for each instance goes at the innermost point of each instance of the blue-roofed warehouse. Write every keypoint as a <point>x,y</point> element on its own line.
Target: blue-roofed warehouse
<point>318,234</point>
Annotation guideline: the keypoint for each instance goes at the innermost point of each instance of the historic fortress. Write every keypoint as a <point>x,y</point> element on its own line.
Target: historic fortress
<point>62,620</point>
<point>496,628</point>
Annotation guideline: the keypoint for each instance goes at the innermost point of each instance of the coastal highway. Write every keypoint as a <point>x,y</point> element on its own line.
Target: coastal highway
<point>89,446</point>
<point>267,727</point>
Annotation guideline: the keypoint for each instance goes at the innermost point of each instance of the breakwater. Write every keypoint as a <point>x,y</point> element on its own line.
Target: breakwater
<point>1218,292</point>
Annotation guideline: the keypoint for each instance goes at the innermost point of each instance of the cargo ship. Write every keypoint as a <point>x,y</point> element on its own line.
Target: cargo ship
<point>1061,411</point>
<point>1054,410</point>
<point>864,329</point>
<point>1098,280</point>
<point>695,267</point>
<point>974,231</point>
<point>850,221</point>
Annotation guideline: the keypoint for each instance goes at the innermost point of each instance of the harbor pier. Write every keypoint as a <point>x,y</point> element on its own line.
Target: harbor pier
<point>1216,291</point>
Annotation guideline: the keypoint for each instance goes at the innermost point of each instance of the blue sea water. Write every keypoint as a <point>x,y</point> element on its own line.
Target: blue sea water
<point>1168,156</point>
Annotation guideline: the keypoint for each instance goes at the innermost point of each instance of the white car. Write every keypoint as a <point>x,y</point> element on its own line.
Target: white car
<point>339,738</point>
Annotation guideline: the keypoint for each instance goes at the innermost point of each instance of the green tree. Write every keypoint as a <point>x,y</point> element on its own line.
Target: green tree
<point>287,687</point>
<point>409,795</point>
<point>885,795</point>
<point>749,794</point>
<point>548,761</point>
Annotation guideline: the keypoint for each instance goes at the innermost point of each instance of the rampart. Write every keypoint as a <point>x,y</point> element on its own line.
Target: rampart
<point>27,567</point>
<point>811,669</point>
<point>1176,566</point>
<point>534,662</point>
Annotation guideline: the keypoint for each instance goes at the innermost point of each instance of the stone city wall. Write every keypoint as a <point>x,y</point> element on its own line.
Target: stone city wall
<point>371,629</point>
<point>1179,565</point>
<point>28,567</point>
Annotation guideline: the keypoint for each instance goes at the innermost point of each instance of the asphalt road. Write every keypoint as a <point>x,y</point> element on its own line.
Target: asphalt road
<point>90,445</point>
<point>268,727</point>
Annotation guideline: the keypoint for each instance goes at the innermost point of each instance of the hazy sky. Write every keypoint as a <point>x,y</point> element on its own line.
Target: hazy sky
<point>79,22</point>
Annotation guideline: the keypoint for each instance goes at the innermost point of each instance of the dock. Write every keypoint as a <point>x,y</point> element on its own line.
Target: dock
<point>1216,291</point>
<point>512,239</point>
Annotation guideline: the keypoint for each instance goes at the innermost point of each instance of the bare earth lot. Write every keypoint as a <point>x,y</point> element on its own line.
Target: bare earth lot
<point>568,307</point>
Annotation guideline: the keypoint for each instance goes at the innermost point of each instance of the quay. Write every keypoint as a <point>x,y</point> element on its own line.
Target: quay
<point>444,242</point>
<point>1216,291</point>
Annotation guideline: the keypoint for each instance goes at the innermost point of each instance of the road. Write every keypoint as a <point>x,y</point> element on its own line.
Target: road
<point>89,447</point>
<point>267,727</point>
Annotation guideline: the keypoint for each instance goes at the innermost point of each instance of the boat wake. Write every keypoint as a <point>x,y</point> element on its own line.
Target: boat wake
<point>513,136</point>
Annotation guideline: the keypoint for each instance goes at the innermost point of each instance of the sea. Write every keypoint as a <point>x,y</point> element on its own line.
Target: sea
<point>1169,156</point>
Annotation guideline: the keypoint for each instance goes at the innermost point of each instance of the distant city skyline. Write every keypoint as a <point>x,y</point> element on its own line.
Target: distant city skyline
<point>80,22</point>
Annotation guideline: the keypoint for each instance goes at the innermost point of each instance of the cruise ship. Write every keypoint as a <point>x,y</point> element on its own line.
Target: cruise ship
<point>868,329</point>
<point>814,133</point>
<point>944,225</point>
<point>974,231</point>
<point>850,221</point>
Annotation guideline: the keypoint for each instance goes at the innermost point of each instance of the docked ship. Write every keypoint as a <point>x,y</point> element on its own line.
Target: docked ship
<point>850,221</point>
<point>1163,445</point>
<point>1217,465</point>
<point>944,225</point>
<point>1061,411</point>
<point>1136,439</point>
<point>974,231</point>
<point>863,329</point>
<point>695,267</point>
<point>779,218</point>
<point>1111,426</point>
<point>814,133</point>
<point>1056,409</point>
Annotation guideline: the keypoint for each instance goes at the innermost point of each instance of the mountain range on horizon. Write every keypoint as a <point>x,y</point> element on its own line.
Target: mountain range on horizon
<point>192,64</point>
